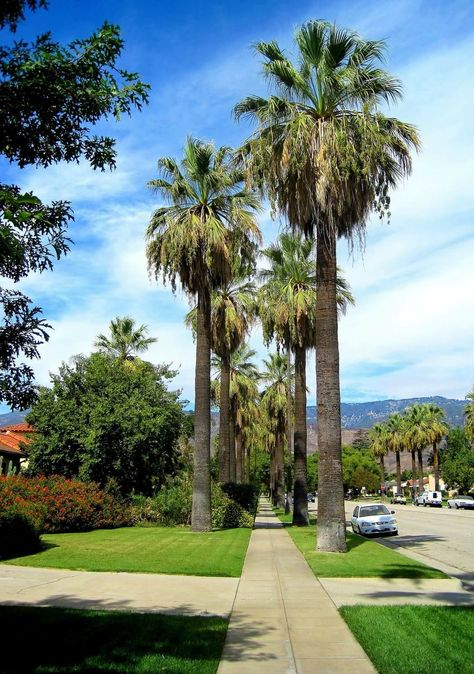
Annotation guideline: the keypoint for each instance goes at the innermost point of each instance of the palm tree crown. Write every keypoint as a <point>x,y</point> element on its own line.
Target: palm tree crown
<point>125,340</point>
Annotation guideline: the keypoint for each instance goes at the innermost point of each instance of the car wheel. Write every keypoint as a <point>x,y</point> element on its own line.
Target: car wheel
<point>456,506</point>
<point>449,506</point>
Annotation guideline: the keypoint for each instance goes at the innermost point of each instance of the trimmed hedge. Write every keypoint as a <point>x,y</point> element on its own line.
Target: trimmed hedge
<point>57,505</point>
<point>19,535</point>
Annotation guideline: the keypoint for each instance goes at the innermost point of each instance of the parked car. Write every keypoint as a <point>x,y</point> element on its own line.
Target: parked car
<point>398,498</point>
<point>461,502</point>
<point>429,498</point>
<point>375,518</point>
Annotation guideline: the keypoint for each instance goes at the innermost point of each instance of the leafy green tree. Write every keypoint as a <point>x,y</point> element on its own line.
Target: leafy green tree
<point>195,240</point>
<point>359,469</point>
<point>125,340</point>
<point>103,420</point>
<point>326,157</point>
<point>51,97</point>
<point>457,461</point>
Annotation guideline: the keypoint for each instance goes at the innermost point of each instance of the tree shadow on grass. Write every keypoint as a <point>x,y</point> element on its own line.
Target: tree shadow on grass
<point>66,639</point>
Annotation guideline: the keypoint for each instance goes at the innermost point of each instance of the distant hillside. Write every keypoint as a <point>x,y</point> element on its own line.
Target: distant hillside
<point>365,415</point>
<point>12,418</point>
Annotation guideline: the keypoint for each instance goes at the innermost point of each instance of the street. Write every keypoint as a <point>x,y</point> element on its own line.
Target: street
<point>439,535</point>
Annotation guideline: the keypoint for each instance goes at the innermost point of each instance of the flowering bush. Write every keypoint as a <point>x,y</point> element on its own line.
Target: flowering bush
<point>57,505</point>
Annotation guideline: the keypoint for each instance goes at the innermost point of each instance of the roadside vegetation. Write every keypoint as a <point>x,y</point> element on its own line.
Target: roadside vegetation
<point>414,639</point>
<point>61,641</point>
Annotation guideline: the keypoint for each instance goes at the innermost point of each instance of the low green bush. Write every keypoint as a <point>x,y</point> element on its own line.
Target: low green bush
<point>173,504</point>
<point>246,495</point>
<point>19,535</point>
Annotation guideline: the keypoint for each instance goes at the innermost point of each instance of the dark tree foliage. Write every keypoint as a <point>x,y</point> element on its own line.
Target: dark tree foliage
<point>51,96</point>
<point>107,420</point>
<point>457,461</point>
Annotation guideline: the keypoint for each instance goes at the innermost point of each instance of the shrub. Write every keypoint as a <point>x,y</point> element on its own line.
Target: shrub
<point>226,513</point>
<point>59,505</point>
<point>246,495</point>
<point>174,502</point>
<point>19,534</point>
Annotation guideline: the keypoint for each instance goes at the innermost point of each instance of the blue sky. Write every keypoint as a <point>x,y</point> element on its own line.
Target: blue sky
<point>411,333</point>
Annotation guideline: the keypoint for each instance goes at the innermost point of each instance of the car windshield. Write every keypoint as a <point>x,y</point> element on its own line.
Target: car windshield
<point>368,511</point>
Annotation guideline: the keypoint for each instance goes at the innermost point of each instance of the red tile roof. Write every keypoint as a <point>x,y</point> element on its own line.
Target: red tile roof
<point>14,437</point>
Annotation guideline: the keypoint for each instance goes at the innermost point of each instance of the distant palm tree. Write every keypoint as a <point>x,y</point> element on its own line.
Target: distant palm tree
<point>125,339</point>
<point>194,240</point>
<point>274,403</point>
<point>326,157</point>
<point>417,440</point>
<point>379,444</point>
<point>435,428</point>
<point>287,309</point>
<point>232,312</point>
<point>469,415</point>
<point>396,429</point>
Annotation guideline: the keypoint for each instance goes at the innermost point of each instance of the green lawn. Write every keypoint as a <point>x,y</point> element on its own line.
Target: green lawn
<point>364,559</point>
<point>148,550</point>
<point>414,639</point>
<point>47,640</point>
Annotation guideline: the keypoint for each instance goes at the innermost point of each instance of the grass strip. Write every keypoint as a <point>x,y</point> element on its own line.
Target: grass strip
<point>414,639</point>
<point>170,550</point>
<point>55,640</point>
<point>364,558</point>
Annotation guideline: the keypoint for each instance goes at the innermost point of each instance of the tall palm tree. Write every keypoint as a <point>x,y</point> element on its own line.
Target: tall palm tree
<point>274,403</point>
<point>288,314</point>
<point>379,444</point>
<point>469,415</point>
<point>232,311</point>
<point>209,220</point>
<point>435,428</point>
<point>396,429</point>
<point>125,339</point>
<point>417,440</point>
<point>326,157</point>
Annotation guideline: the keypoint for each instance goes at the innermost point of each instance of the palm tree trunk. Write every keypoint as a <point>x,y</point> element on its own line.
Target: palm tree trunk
<point>413,472</point>
<point>201,507</point>
<point>331,516</point>
<point>279,471</point>
<point>238,456</point>
<point>382,474</point>
<point>224,429</point>
<point>399,473</point>
<point>300,492</point>
<point>420,471</point>
<point>436,465</point>
<point>232,444</point>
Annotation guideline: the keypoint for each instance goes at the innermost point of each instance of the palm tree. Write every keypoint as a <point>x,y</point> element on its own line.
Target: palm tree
<point>125,340</point>
<point>209,221</point>
<point>435,429</point>
<point>326,157</point>
<point>396,428</point>
<point>287,311</point>
<point>379,444</point>
<point>417,440</point>
<point>232,311</point>
<point>469,415</point>
<point>274,403</point>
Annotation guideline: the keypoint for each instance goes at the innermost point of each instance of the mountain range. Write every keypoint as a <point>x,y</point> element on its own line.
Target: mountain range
<point>353,415</point>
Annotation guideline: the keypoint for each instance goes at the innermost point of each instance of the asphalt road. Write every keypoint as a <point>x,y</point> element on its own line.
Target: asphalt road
<point>439,535</point>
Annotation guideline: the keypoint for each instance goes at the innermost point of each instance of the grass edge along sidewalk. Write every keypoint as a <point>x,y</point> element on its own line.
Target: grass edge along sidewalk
<point>363,559</point>
<point>167,550</point>
<point>414,639</point>
<point>72,640</point>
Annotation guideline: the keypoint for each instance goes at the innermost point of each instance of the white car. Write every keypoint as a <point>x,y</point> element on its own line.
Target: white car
<point>430,498</point>
<point>461,502</point>
<point>375,518</point>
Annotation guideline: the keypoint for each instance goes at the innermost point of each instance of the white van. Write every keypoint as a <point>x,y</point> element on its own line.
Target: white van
<point>430,498</point>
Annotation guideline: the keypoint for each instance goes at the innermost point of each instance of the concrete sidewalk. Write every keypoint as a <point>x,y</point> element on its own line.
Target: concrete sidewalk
<point>283,621</point>
<point>144,592</point>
